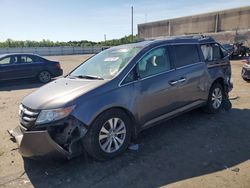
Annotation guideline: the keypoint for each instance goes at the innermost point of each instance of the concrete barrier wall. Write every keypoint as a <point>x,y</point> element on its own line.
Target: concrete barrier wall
<point>232,37</point>
<point>47,51</point>
<point>228,20</point>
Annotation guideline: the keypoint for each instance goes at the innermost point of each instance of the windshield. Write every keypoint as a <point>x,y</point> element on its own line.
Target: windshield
<point>106,64</point>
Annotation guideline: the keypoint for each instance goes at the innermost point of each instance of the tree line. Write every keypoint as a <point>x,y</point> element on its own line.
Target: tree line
<point>9,43</point>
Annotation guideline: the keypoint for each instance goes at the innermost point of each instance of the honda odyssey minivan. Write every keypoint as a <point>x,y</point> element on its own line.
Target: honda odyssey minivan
<point>108,100</point>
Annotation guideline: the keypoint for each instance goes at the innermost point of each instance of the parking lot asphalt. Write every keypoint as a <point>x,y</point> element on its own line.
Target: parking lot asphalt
<point>193,150</point>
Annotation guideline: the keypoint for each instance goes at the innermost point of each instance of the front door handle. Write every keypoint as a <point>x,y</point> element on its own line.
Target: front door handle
<point>173,82</point>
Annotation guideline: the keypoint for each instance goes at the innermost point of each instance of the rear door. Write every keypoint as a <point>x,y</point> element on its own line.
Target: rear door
<point>191,72</point>
<point>28,66</point>
<point>156,86</point>
<point>217,60</point>
<point>9,68</point>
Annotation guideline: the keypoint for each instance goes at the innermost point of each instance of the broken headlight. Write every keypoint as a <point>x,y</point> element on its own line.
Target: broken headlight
<point>47,116</point>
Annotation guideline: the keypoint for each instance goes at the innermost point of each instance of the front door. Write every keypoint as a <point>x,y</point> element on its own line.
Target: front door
<point>27,66</point>
<point>157,86</point>
<point>9,68</point>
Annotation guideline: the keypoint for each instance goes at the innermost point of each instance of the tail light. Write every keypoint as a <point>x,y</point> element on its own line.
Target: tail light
<point>244,61</point>
<point>57,65</point>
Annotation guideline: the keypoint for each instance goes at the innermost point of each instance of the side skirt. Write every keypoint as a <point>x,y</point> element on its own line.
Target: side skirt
<point>173,114</point>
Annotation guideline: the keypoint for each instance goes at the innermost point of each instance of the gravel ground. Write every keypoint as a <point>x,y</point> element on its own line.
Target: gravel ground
<point>192,150</point>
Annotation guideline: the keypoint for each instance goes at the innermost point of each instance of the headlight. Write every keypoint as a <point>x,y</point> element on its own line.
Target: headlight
<point>47,116</point>
<point>20,109</point>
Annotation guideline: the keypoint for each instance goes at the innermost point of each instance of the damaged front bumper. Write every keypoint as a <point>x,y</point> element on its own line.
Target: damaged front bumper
<point>47,144</point>
<point>38,144</point>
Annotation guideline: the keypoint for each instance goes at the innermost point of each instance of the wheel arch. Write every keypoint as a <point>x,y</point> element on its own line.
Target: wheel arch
<point>222,82</point>
<point>128,113</point>
<point>219,80</point>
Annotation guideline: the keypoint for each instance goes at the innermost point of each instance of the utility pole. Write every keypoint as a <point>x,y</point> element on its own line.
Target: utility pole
<point>104,37</point>
<point>132,22</point>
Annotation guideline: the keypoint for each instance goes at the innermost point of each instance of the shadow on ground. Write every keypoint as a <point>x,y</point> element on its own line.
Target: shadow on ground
<point>12,85</point>
<point>240,57</point>
<point>191,145</point>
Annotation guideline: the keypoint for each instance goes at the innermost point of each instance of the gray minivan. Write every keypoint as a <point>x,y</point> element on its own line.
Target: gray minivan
<point>105,102</point>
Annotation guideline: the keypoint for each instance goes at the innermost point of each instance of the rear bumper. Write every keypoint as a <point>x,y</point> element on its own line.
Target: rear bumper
<point>35,144</point>
<point>57,72</point>
<point>245,73</point>
<point>230,86</point>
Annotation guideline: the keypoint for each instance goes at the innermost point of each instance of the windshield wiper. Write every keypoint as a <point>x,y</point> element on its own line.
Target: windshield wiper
<point>88,77</point>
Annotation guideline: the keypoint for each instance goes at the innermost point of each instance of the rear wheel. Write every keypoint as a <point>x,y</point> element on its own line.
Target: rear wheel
<point>247,80</point>
<point>44,76</point>
<point>215,98</point>
<point>109,135</point>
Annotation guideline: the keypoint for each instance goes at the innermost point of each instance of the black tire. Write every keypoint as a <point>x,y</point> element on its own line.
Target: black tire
<point>210,107</point>
<point>91,140</point>
<point>44,76</point>
<point>245,79</point>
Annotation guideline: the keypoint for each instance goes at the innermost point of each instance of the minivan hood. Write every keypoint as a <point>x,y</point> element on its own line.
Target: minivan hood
<point>59,93</point>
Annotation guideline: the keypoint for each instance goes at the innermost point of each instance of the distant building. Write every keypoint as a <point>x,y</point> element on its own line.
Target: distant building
<point>227,26</point>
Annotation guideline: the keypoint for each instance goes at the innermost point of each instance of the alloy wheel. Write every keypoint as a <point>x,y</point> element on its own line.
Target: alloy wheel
<point>112,135</point>
<point>44,76</point>
<point>217,98</point>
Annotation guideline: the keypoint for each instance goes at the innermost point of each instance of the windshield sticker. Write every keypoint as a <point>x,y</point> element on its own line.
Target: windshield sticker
<point>111,59</point>
<point>123,50</point>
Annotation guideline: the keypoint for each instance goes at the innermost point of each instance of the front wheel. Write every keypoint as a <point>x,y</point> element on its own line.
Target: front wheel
<point>215,99</point>
<point>44,76</point>
<point>109,135</point>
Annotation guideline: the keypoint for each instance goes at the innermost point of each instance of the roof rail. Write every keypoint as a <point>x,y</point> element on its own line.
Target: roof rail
<point>195,36</point>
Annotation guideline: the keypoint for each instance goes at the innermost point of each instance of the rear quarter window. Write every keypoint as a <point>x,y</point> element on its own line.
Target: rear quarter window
<point>38,59</point>
<point>213,52</point>
<point>186,54</point>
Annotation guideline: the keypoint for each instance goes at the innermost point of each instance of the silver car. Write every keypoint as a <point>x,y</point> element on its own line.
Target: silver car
<point>103,104</point>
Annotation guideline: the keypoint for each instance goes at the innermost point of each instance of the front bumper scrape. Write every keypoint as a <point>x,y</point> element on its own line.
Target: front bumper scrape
<point>38,144</point>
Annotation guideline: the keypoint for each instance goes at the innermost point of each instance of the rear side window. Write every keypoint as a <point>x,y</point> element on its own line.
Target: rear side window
<point>216,52</point>
<point>212,52</point>
<point>37,59</point>
<point>27,59</point>
<point>186,54</point>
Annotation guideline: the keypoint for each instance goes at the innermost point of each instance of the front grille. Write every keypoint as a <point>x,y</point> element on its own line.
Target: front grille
<point>27,116</point>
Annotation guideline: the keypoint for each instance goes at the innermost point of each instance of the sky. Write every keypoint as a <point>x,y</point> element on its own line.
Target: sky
<point>65,20</point>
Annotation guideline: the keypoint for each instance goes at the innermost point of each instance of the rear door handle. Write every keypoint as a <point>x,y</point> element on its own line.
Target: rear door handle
<point>182,80</point>
<point>173,82</point>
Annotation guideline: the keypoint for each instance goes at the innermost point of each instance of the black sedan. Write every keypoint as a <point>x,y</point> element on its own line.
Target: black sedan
<point>17,66</point>
<point>245,73</point>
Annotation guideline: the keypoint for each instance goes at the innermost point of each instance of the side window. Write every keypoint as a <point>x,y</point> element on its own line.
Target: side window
<point>5,61</point>
<point>8,60</point>
<point>207,51</point>
<point>130,77</point>
<point>217,53</point>
<point>37,59</point>
<point>224,52</point>
<point>156,61</point>
<point>213,52</point>
<point>26,59</point>
<point>186,54</point>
